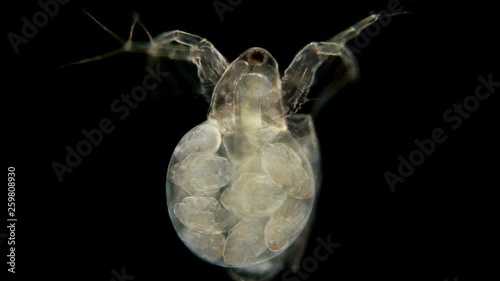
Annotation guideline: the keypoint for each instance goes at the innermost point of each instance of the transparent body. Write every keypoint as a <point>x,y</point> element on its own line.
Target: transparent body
<point>242,186</point>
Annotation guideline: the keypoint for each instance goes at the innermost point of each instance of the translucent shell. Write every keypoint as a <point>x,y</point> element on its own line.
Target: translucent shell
<point>242,211</point>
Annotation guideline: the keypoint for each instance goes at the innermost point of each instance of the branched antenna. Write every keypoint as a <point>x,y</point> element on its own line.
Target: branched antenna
<point>127,45</point>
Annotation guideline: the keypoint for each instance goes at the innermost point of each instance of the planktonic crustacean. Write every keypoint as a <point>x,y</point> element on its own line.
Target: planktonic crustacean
<point>242,186</point>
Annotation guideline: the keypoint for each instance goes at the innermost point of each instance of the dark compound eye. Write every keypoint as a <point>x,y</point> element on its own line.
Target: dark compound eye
<point>256,57</point>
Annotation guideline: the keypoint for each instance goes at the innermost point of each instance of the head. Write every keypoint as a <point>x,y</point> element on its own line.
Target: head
<point>251,82</point>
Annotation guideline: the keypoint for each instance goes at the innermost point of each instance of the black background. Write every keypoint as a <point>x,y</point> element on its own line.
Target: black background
<point>111,212</point>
